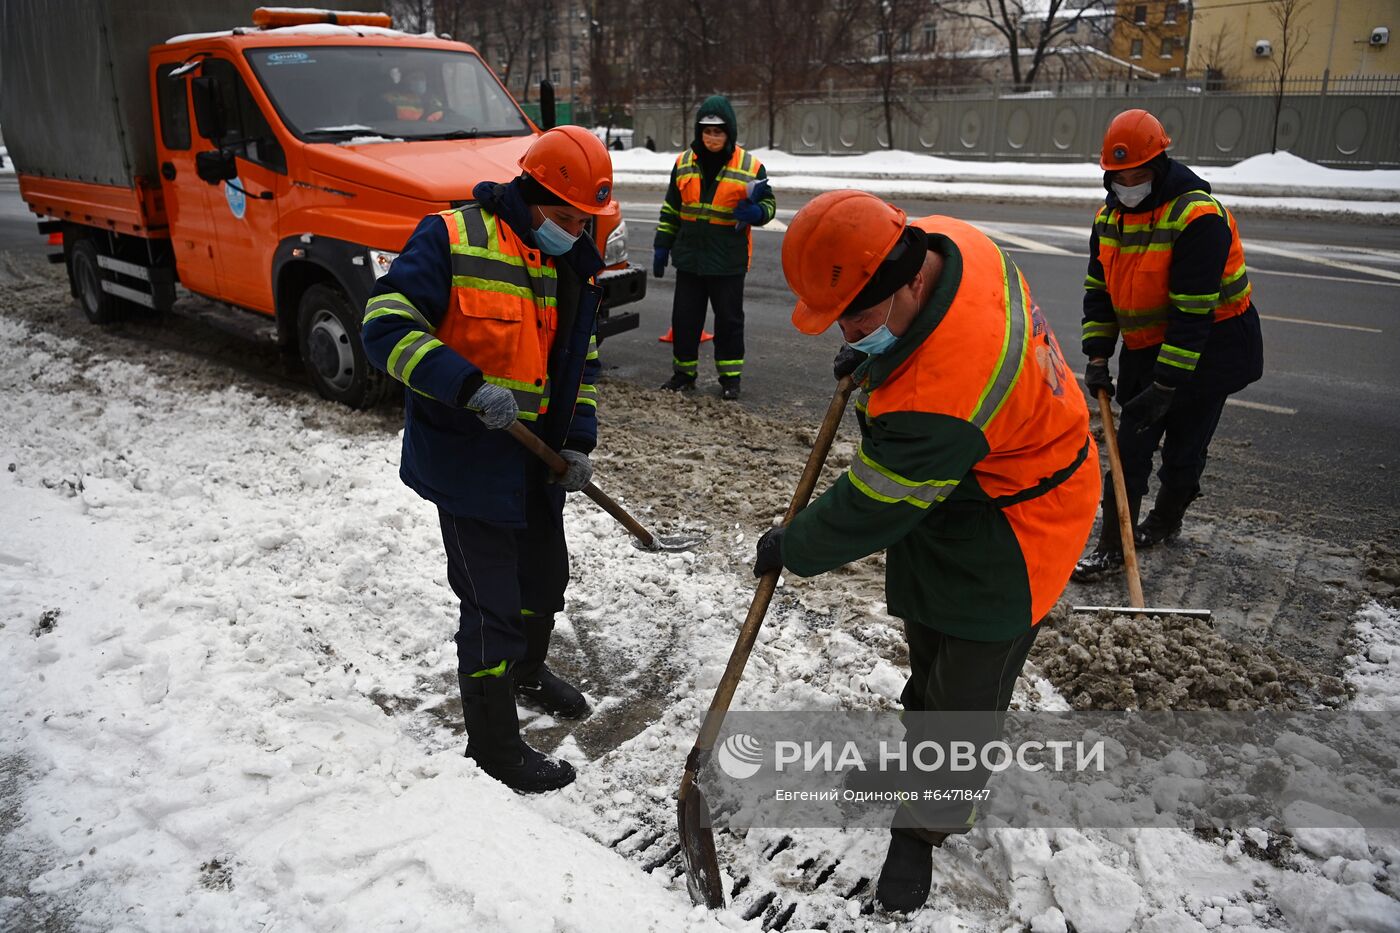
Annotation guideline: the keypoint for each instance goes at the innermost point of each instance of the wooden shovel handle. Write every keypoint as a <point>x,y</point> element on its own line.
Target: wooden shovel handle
<point>558,465</point>
<point>763,594</point>
<point>1120,496</point>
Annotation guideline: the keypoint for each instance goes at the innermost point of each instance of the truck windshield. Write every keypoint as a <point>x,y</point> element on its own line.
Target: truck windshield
<point>338,93</point>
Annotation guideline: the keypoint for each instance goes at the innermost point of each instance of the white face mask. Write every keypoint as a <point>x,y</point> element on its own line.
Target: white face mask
<point>1132,196</point>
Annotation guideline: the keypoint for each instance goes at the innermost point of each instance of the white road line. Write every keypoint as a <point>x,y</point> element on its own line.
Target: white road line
<point>1035,246</point>
<point>1260,406</point>
<point>1256,247</point>
<point>1326,278</point>
<point>773,226</point>
<point>1296,320</point>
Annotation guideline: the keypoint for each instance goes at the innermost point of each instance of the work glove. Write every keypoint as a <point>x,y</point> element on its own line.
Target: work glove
<point>494,405</point>
<point>579,472</point>
<point>1149,406</point>
<point>659,260</point>
<point>847,359</point>
<point>1096,377</point>
<point>747,212</point>
<point>770,551</point>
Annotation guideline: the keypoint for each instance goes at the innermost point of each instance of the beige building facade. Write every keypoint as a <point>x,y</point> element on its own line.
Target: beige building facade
<point>1342,38</point>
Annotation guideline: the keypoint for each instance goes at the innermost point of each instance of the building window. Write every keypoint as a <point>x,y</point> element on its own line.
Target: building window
<point>905,41</point>
<point>930,35</point>
<point>1073,26</point>
<point>573,76</point>
<point>554,76</point>
<point>1168,47</point>
<point>1137,49</point>
<point>1169,16</point>
<point>881,43</point>
<point>1140,14</point>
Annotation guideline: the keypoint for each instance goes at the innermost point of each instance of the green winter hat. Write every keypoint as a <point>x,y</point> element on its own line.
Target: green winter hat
<point>717,105</point>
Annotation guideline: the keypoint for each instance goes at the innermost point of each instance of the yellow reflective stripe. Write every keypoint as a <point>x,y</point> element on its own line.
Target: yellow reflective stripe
<point>1175,356</point>
<point>394,304</point>
<point>407,353</point>
<point>1234,286</point>
<point>884,485</point>
<point>1094,329</point>
<point>1131,321</point>
<point>496,671</point>
<point>1014,341</point>
<point>1195,304</point>
<point>688,367</point>
<point>1091,284</point>
<point>587,395</point>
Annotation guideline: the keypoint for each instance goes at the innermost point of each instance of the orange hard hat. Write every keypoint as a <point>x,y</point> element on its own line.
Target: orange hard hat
<point>832,249</point>
<point>1135,137</point>
<point>573,164</point>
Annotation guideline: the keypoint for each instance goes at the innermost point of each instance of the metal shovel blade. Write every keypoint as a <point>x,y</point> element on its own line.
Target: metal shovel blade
<point>702,878</point>
<point>669,543</point>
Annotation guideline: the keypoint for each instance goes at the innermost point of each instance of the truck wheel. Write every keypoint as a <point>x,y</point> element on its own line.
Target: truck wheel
<point>329,336</point>
<point>86,278</point>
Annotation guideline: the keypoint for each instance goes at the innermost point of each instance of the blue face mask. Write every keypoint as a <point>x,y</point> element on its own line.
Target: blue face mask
<point>879,340</point>
<point>551,238</point>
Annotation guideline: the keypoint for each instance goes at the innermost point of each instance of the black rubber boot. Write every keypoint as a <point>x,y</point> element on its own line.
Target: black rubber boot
<point>1163,523</point>
<point>679,382</point>
<point>907,874</point>
<point>729,388</point>
<point>1108,553</point>
<point>536,684</point>
<point>494,742</point>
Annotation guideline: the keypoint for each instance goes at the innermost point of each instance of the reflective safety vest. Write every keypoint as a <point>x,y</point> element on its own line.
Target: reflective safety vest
<point>1137,259</point>
<point>502,312</point>
<point>993,361</point>
<point>731,187</point>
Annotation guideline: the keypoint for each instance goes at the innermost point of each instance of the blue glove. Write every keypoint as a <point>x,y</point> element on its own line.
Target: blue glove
<point>659,260</point>
<point>749,213</point>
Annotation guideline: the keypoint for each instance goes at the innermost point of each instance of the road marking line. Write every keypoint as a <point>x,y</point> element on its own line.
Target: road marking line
<point>1035,246</point>
<point>1296,320</point>
<point>1260,406</point>
<point>1326,278</point>
<point>1256,247</point>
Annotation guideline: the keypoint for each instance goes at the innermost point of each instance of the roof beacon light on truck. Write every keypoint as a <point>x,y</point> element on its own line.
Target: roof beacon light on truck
<point>271,17</point>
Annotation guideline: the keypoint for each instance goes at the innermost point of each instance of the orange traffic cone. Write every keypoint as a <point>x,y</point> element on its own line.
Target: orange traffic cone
<point>668,337</point>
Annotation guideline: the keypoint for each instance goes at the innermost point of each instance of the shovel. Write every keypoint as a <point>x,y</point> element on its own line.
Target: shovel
<point>1125,529</point>
<point>693,814</point>
<point>641,538</point>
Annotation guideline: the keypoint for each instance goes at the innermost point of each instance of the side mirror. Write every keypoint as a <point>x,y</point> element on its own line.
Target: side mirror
<point>546,105</point>
<point>215,166</point>
<point>208,109</point>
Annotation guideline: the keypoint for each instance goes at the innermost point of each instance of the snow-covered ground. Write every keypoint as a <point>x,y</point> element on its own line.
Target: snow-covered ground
<point>1280,182</point>
<point>228,648</point>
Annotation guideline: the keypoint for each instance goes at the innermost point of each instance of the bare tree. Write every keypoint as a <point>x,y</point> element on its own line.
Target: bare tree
<point>1214,52</point>
<point>894,60</point>
<point>1289,15</point>
<point>1028,27</point>
<point>411,15</point>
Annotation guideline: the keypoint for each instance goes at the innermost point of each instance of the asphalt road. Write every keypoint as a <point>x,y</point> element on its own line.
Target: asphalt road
<point>1320,433</point>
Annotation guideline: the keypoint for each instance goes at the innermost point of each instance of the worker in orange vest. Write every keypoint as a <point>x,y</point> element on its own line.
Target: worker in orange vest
<point>488,317</point>
<point>717,192</point>
<point>1167,273</point>
<point>976,470</point>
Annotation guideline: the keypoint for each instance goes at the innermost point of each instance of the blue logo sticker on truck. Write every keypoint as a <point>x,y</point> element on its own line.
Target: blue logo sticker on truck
<point>237,200</point>
<point>289,58</point>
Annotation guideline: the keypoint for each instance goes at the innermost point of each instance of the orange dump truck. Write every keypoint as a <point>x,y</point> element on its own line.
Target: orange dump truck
<point>275,160</point>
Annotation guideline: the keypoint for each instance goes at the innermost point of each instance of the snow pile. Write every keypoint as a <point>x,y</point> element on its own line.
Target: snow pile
<point>1375,668</point>
<point>1262,182</point>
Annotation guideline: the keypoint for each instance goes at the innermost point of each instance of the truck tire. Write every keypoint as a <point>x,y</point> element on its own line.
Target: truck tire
<point>328,333</point>
<point>85,276</point>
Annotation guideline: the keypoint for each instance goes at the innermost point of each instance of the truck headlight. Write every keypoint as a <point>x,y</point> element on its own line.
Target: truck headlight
<point>616,250</point>
<point>380,261</point>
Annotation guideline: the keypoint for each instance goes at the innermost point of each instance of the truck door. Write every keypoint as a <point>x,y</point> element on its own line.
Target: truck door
<point>245,209</point>
<point>186,196</point>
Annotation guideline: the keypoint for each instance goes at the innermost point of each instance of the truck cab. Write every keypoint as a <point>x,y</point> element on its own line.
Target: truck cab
<point>294,158</point>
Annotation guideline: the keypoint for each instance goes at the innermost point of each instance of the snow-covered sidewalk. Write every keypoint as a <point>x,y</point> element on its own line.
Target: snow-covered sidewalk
<point>1280,182</point>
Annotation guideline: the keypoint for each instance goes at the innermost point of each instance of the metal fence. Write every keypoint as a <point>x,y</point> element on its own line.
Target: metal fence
<point>1351,122</point>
